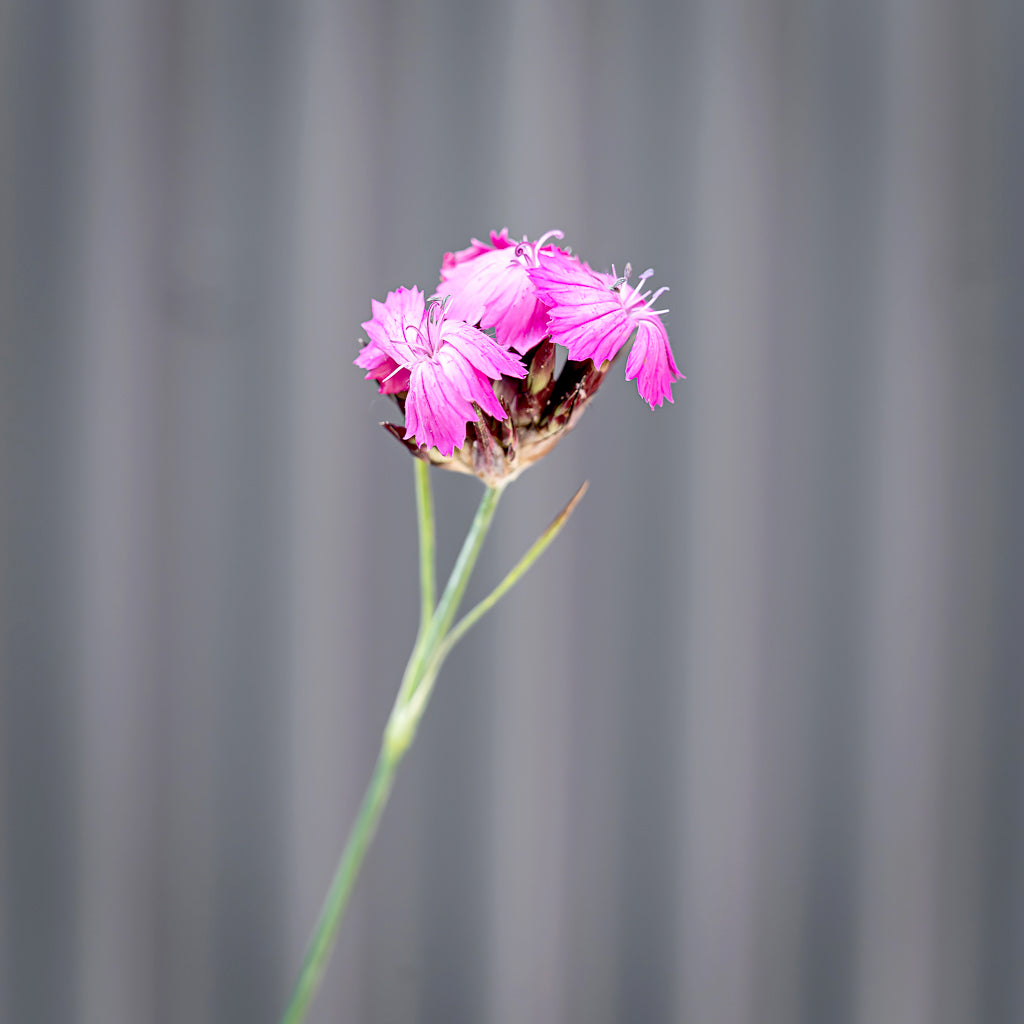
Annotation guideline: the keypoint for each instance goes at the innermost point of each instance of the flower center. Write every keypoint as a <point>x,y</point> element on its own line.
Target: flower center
<point>435,319</point>
<point>635,303</point>
<point>425,343</point>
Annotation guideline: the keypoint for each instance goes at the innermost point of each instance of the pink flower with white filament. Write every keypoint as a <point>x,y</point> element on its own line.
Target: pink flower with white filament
<point>593,315</point>
<point>447,365</point>
<point>490,285</point>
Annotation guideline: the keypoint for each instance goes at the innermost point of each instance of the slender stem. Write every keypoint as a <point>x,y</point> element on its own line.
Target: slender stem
<point>442,617</point>
<point>421,694</point>
<point>423,665</point>
<point>464,564</point>
<point>425,517</point>
<point>472,617</point>
<point>428,577</point>
<point>319,950</point>
<point>398,735</point>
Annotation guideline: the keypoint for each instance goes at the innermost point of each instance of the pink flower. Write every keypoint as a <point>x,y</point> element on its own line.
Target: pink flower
<point>593,315</point>
<point>444,364</point>
<point>490,285</point>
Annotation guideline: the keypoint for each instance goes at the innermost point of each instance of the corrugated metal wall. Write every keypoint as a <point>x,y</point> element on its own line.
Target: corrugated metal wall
<point>745,746</point>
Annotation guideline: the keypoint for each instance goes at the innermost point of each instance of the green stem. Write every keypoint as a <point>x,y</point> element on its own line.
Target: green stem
<point>425,517</point>
<point>456,585</point>
<point>398,735</point>
<point>428,585</point>
<point>400,721</point>
<point>471,618</point>
<point>423,666</point>
<point>319,950</point>
<point>421,694</point>
<point>433,643</point>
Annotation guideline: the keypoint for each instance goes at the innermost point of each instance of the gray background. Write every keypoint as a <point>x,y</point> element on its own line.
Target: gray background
<point>745,746</point>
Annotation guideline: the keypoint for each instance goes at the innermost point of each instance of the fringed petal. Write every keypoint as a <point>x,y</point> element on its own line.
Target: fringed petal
<point>469,382</point>
<point>483,352</point>
<point>651,362</point>
<point>392,328</point>
<point>586,316</point>
<point>435,413</point>
<point>490,286</point>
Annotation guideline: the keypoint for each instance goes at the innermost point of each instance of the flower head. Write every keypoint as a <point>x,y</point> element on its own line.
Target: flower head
<point>593,315</point>
<point>489,285</point>
<point>442,364</point>
<point>470,404</point>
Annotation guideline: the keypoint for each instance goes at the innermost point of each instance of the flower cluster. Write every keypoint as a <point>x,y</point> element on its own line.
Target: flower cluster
<point>473,368</point>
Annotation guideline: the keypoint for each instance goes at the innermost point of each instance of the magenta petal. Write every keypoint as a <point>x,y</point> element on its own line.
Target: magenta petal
<point>522,322</point>
<point>651,362</point>
<point>482,352</point>
<point>477,282</point>
<point>591,332</point>
<point>371,357</point>
<point>393,379</point>
<point>593,316</point>
<point>435,414</point>
<point>394,382</point>
<point>586,316</point>
<point>559,278</point>
<point>469,382</point>
<point>403,304</point>
<point>392,328</point>
<point>499,240</point>
<point>492,287</point>
<point>495,290</point>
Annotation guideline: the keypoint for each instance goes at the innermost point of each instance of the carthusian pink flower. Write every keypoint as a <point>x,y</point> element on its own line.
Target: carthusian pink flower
<point>593,315</point>
<point>443,364</point>
<point>489,285</point>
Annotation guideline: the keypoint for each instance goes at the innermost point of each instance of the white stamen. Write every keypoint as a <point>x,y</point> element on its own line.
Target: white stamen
<point>532,250</point>
<point>555,233</point>
<point>418,333</point>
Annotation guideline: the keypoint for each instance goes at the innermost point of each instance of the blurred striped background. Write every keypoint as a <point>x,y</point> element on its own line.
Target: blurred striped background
<point>746,746</point>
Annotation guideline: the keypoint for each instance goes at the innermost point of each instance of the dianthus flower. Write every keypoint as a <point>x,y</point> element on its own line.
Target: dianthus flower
<point>593,315</point>
<point>471,406</point>
<point>489,285</point>
<point>443,363</point>
<point>530,296</point>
